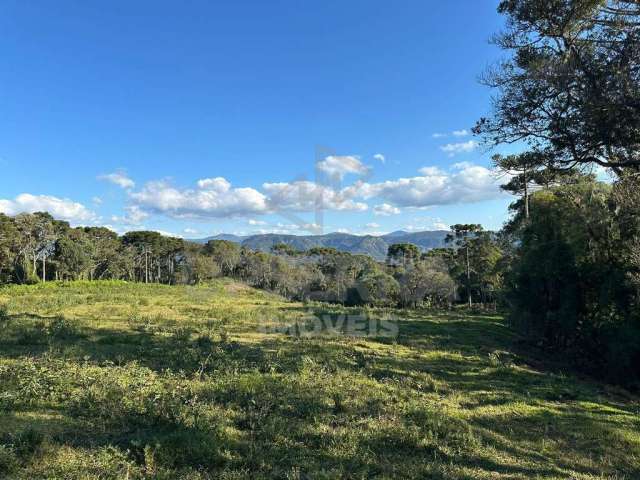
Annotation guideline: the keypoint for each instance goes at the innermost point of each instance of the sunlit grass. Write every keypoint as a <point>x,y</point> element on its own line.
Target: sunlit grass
<point>112,380</point>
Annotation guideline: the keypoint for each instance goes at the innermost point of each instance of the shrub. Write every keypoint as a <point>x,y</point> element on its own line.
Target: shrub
<point>61,328</point>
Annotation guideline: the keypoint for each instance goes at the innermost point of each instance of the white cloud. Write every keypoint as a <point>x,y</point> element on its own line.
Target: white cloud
<point>97,200</point>
<point>113,228</point>
<point>217,184</point>
<point>339,166</point>
<point>456,148</point>
<point>134,216</point>
<point>431,171</point>
<point>119,178</point>
<point>372,225</point>
<point>420,224</point>
<point>461,165</point>
<point>305,196</point>
<point>267,231</point>
<point>290,228</point>
<point>164,233</point>
<point>435,187</point>
<point>213,198</point>
<point>385,210</point>
<point>190,231</point>
<point>59,208</point>
<point>456,133</point>
<point>216,198</point>
<point>381,158</point>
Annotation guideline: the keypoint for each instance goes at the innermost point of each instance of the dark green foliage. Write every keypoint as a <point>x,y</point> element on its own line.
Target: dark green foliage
<point>60,328</point>
<point>226,254</point>
<point>72,259</point>
<point>284,249</point>
<point>571,92</point>
<point>571,88</point>
<point>402,253</point>
<point>377,288</point>
<point>572,282</point>
<point>475,262</point>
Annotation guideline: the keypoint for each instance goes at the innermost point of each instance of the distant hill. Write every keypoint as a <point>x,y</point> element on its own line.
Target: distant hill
<point>223,236</point>
<point>374,246</point>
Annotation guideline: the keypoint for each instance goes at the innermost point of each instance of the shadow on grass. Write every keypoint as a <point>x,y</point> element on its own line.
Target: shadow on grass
<point>282,422</point>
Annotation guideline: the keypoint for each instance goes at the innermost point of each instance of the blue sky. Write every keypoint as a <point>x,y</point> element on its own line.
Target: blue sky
<point>202,117</point>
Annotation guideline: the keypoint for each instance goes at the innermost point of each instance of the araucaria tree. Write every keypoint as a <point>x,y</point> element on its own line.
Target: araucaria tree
<point>571,93</point>
<point>571,89</point>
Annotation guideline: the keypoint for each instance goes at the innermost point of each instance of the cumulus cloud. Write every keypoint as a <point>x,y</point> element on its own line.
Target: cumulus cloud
<point>97,200</point>
<point>381,158</point>
<point>217,198</point>
<point>118,178</point>
<point>164,233</point>
<point>190,231</point>
<point>439,135</point>
<point>306,196</point>
<point>372,225</point>
<point>213,198</point>
<point>431,171</point>
<point>134,216</point>
<point>456,148</point>
<point>471,183</point>
<point>461,165</point>
<point>385,210</point>
<point>288,228</point>
<point>420,224</point>
<point>60,208</point>
<point>339,166</point>
<point>217,184</point>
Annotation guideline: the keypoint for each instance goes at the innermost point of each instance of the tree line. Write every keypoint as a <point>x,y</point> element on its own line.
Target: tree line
<point>37,248</point>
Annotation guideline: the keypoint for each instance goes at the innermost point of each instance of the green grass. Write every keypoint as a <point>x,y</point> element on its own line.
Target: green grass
<point>111,380</point>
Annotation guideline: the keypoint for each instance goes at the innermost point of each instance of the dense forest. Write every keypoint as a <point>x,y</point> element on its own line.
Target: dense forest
<point>566,266</point>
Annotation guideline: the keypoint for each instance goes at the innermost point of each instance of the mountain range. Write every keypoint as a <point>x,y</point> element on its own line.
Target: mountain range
<point>374,246</point>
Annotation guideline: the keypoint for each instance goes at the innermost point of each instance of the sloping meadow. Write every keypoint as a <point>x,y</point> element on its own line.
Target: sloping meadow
<point>115,380</point>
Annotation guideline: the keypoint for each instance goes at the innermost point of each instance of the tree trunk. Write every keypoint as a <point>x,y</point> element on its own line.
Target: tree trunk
<point>44,268</point>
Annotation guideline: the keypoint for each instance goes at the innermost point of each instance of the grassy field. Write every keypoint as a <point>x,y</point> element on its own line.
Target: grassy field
<point>109,380</point>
